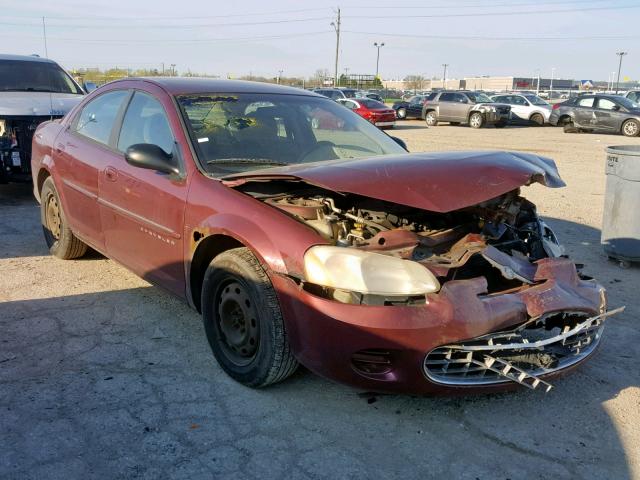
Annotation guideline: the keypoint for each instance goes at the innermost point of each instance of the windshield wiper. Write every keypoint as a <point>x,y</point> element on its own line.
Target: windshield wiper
<point>262,161</point>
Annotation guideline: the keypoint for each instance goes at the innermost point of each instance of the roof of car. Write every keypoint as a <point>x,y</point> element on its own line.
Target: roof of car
<point>24,58</point>
<point>187,85</point>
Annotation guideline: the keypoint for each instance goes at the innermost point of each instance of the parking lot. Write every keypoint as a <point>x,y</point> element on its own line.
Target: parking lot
<point>105,376</point>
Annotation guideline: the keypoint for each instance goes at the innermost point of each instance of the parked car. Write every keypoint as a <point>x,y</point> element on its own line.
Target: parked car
<point>473,108</point>
<point>412,108</point>
<point>602,113</point>
<point>633,95</point>
<point>332,93</point>
<point>334,247</point>
<point>348,92</point>
<point>526,108</point>
<point>32,90</point>
<point>371,95</point>
<point>371,110</point>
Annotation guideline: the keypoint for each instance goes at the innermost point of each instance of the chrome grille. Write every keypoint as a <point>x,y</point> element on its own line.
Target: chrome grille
<point>543,345</point>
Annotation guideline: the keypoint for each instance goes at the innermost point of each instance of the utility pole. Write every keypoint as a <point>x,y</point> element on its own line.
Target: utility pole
<point>378,46</point>
<point>551,86</point>
<point>620,54</point>
<point>44,36</point>
<point>173,69</point>
<point>538,84</point>
<point>444,76</point>
<point>279,75</point>
<point>163,69</point>
<point>336,27</point>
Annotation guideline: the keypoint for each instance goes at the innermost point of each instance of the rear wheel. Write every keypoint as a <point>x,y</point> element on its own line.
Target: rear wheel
<point>631,128</point>
<point>537,119</point>
<point>476,120</point>
<point>60,239</point>
<point>243,322</point>
<point>431,118</point>
<point>401,113</point>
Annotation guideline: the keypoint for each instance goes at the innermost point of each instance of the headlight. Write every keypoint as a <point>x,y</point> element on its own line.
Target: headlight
<point>366,272</point>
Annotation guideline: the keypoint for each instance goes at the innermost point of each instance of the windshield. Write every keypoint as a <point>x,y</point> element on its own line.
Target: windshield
<point>536,100</point>
<point>478,97</point>
<point>26,76</point>
<point>242,132</point>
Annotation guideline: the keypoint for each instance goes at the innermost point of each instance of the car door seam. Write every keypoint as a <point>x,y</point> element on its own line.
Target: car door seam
<point>139,218</point>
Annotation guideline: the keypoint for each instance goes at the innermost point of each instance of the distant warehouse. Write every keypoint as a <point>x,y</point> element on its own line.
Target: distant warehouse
<point>516,83</point>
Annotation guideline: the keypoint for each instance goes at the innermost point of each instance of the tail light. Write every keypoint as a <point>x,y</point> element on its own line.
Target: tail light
<point>555,106</point>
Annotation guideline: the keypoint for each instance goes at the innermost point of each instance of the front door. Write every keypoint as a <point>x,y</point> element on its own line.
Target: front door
<point>608,116</point>
<point>143,210</point>
<point>81,152</point>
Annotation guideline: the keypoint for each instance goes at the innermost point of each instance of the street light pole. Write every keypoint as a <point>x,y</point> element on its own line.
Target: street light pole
<point>378,46</point>
<point>551,85</point>
<point>279,75</point>
<point>444,75</point>
<point>620,54</point>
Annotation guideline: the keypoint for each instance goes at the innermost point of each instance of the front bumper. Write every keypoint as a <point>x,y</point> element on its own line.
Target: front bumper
<point>384,348</point>
<point>496,117</point>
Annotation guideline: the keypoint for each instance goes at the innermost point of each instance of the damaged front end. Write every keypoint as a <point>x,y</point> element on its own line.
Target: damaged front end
<point>494,260</point>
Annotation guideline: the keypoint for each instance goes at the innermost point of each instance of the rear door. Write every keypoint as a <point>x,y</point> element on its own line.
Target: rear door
<point>520,107</point>
<point>82,151</point>
<point>585,111</point>
<point>457,105</point>
<point>608,114</point>
<point>143,210</point>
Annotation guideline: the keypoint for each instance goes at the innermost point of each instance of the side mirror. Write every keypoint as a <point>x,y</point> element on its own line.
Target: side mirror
<point>152,157</point>
<point>400,142</point>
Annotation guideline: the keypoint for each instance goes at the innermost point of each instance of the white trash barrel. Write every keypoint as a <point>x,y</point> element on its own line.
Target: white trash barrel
<point>621,218</point>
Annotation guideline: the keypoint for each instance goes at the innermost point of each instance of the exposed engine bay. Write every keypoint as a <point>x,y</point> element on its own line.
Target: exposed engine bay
<point>461,244</point>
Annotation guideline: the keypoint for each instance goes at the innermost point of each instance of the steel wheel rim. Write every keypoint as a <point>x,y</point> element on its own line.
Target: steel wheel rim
<point>54,222</point>
<point>631,129</point>
<point>237,323</point>
<point>431,118</point>
<point>475,120</point>
<point>402,113</point>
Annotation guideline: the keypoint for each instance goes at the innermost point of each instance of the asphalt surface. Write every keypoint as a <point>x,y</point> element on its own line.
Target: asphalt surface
<point>104,376</point>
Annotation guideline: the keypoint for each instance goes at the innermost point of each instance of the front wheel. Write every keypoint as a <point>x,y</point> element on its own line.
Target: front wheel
<point>631,128</point>
<point>431,118</point>
<point>60,239</point>
<point>243,321</point>
<point>476,120</point>
<point>401,113</point>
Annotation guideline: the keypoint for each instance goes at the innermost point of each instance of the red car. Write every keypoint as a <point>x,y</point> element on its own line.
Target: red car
<point>332,247</point>
<point>372,110</point>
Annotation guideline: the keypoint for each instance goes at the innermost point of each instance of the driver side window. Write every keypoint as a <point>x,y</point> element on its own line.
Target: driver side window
<point>145,122</point>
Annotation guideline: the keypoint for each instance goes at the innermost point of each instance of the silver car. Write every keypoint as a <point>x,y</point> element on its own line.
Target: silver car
<point>526,108</point>
<point>32,90</point>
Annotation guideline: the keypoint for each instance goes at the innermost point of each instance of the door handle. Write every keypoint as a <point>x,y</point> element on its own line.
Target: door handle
<point>111,174</point>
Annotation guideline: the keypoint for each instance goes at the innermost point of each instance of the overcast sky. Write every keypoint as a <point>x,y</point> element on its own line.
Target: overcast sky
<point>579,38</point>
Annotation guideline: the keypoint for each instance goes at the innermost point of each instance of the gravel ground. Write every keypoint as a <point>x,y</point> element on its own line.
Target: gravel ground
<point>105,376</point>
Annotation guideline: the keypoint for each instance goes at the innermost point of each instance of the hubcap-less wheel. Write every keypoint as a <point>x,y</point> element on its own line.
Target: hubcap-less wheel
<point>402,113</point>
<point>53,217</point>
<point>476,120</point>
<point>431,119</point>
<point>537,119</point>
<point>631,128</point>
<point>238,324</point>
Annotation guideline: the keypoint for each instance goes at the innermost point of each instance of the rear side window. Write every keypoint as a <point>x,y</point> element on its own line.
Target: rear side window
<point>145,122</point>
<point>431,96</point>
<point>586,102</point>
<point>448,97</point>
<point>98,116</point>
<point>606,104</point>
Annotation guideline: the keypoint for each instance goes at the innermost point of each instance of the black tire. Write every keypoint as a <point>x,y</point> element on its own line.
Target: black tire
<point>243,321</point>
<point>455,124</point>
<point>631,128</point>
<point>431,118</point>
<point>60,239</point>
<point>476,120</point>
<point>537,119</point>
<point>401,113</point>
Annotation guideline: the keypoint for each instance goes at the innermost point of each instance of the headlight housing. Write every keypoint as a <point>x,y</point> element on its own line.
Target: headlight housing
<point>366,272</point>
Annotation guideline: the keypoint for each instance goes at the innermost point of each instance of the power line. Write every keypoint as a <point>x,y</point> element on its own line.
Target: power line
<point>477,5</point>
<point>197,25</point>
<point>493,38</point>
<point>495,14</point>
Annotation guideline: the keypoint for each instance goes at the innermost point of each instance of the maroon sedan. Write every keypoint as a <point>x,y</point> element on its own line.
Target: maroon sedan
<point>372,110</point>
<point>304,234</point>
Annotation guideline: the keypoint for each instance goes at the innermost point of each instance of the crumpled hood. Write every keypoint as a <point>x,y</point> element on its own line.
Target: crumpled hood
<point>438,182</point>
<point>37,103</point>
